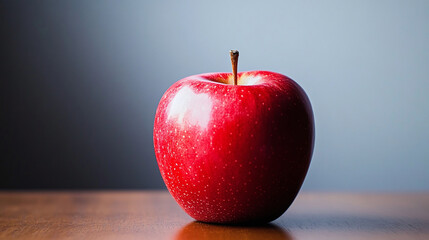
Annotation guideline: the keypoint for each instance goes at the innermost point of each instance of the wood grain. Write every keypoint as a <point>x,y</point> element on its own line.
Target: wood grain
<point>155,215</point>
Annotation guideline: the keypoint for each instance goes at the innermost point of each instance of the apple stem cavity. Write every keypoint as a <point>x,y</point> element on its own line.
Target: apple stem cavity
<point>234,61</point>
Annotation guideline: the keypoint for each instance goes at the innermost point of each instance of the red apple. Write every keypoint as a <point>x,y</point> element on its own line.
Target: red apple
<point>234,150</point>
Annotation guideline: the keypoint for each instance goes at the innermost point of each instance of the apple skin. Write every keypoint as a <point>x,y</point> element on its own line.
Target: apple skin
<point>234,154</point>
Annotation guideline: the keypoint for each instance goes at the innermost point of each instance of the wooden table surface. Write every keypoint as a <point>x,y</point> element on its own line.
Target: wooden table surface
<point>155,215</point>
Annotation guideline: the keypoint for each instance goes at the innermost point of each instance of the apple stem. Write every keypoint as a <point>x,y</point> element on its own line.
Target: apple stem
<point>234,61</point>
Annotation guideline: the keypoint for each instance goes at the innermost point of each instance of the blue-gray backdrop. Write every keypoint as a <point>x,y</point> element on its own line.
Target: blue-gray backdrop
<point>80,82</point>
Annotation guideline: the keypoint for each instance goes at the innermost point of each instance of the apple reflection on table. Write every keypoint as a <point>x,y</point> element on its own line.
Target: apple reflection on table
<point>204,231</point>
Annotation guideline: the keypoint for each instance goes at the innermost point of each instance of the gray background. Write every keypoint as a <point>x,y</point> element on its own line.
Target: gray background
<point>80,82</point>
